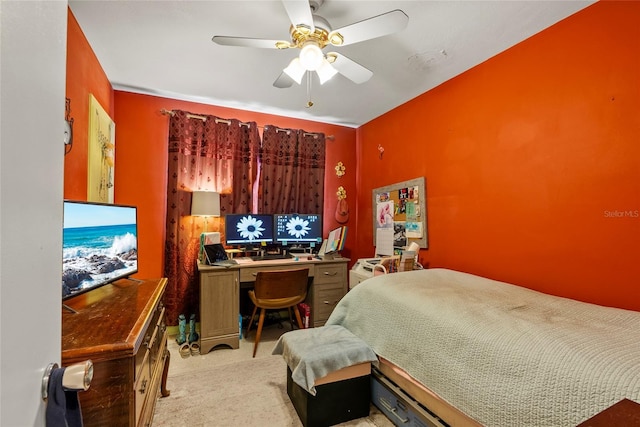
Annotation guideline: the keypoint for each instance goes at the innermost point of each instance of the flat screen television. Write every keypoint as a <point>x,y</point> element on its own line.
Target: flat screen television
<point>248,229</point>
<point>99,245</point>
<point>296,229</point>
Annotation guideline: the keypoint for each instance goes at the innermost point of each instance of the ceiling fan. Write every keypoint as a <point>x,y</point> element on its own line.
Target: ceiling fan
<point>311,33</point>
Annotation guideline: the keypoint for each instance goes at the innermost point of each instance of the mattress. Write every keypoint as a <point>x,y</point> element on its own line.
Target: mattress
<point>502,355</point>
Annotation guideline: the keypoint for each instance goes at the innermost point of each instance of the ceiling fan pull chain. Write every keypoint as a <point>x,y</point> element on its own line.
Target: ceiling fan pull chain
<point>309,102</point>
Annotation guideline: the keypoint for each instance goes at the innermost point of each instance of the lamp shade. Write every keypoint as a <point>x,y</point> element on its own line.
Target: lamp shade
<point>295,70</point>
<point>311,56</point>
<point>326,71</point>
<point>205,203</point>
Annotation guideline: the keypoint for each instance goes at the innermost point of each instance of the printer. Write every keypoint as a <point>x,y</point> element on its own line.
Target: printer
<point>364,269</point>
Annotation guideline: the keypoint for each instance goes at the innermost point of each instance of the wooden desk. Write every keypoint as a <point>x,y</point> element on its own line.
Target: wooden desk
<point>120,327</point>
<point>220,295</point>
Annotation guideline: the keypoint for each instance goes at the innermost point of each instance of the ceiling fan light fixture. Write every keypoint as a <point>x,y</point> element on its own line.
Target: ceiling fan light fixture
<point>282,44</point>
<point>335,38</point>
<point>326,71</point>
<point>311,56</point>
<point>295,70</point>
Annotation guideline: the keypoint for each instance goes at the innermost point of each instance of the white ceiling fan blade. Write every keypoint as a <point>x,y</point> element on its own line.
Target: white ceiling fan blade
<point>349,68</point>
<point>283,81</point>
<point>299,13</point>
<point>249,42</point>
<point>370,28</point>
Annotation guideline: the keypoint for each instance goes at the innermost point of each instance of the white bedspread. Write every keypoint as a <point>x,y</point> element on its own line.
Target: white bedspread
<point>504,355</point>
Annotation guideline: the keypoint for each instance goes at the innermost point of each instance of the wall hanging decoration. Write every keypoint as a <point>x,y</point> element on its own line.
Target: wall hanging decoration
<point>101,153</point>
<point>380,151</point>
<point>342,208</point>
<point>68,127</point>
<point>340,169</point>
<point>400,214</point>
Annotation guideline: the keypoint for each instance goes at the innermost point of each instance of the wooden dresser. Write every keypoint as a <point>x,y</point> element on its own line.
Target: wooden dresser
<point>121,328</point>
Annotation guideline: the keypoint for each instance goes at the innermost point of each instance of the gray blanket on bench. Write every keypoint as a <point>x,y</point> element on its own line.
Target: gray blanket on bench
<point>313,353</point>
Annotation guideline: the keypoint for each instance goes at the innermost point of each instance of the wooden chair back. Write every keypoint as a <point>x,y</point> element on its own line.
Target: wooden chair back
<point>281,283</point>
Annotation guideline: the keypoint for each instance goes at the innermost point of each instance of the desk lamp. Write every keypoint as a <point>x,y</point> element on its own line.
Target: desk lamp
<point>205,203</point>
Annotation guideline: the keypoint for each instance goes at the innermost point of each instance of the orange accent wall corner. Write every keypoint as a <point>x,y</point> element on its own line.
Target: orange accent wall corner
<point>531,160</point>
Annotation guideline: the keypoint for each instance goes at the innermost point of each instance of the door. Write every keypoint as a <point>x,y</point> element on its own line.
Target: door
<point>33,58</point>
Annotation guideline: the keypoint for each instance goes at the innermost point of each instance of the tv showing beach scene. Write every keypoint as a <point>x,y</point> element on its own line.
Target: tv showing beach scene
<point>99,245</point>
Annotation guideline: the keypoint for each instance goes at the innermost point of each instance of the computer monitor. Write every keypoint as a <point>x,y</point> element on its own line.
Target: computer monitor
<point>248,229</point>
<point>298,229</point>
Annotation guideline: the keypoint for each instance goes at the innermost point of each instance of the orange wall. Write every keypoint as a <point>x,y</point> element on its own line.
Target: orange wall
<point>84,76</point>
<point>527,158</point>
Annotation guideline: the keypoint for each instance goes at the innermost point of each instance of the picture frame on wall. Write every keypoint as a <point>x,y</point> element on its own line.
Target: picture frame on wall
<point>401,210</point>
<point>101,154</point>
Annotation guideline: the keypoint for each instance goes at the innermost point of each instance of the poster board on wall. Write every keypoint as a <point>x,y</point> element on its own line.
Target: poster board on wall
<point>101,153</point>
<point>401,207</point>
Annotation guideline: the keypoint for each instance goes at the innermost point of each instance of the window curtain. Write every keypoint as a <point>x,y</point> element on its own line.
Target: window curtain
<point>205,154</point>
<point>292,166</point>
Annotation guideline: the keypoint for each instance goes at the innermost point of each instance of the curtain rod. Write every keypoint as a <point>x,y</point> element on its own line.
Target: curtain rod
<point>228,122</point>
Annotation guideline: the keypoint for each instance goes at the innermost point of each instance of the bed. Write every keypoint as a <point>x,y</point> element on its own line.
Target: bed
<point>476,351</point>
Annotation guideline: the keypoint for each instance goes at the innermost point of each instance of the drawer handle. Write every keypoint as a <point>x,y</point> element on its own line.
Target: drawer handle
<point>329,302</point>
<point>143,386</point>
<point>326,273</point>
<point>393,410</point>
<point>151,341</point>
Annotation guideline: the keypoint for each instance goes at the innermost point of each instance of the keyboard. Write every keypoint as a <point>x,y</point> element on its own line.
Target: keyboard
<point>269,256</point>
<point>225,263</point>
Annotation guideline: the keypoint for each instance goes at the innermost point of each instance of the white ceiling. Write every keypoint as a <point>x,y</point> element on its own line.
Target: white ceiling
<point>164,48</point>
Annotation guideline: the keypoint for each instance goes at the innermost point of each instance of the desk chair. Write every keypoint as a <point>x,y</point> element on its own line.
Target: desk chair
<point>277,290</point>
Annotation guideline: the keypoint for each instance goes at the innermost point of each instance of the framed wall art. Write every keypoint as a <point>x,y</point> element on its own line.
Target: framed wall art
<point>101,154</point>
<point>402,208</point>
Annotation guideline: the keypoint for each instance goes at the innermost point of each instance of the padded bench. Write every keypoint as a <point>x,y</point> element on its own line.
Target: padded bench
<point>328,374</point>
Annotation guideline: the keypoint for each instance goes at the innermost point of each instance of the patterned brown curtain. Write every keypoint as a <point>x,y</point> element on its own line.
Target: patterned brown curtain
<point>210,154</point>
<point>292,171</point>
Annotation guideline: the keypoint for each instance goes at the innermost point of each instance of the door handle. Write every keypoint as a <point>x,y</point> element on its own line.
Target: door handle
<point>76,377</point>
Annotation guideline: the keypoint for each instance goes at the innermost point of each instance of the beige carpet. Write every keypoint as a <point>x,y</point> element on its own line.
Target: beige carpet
<point>229,388</point>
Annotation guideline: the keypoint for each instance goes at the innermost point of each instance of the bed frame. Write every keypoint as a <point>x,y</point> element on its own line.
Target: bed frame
<point>425,397</point>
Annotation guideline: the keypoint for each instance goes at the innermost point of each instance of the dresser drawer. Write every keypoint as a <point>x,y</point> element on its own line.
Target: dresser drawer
<point>332,273</point>
<point>158,338</point>
<point>142,384</point>
<point>326,299</point>
<point>152,338</point>
<point>249,274</point>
